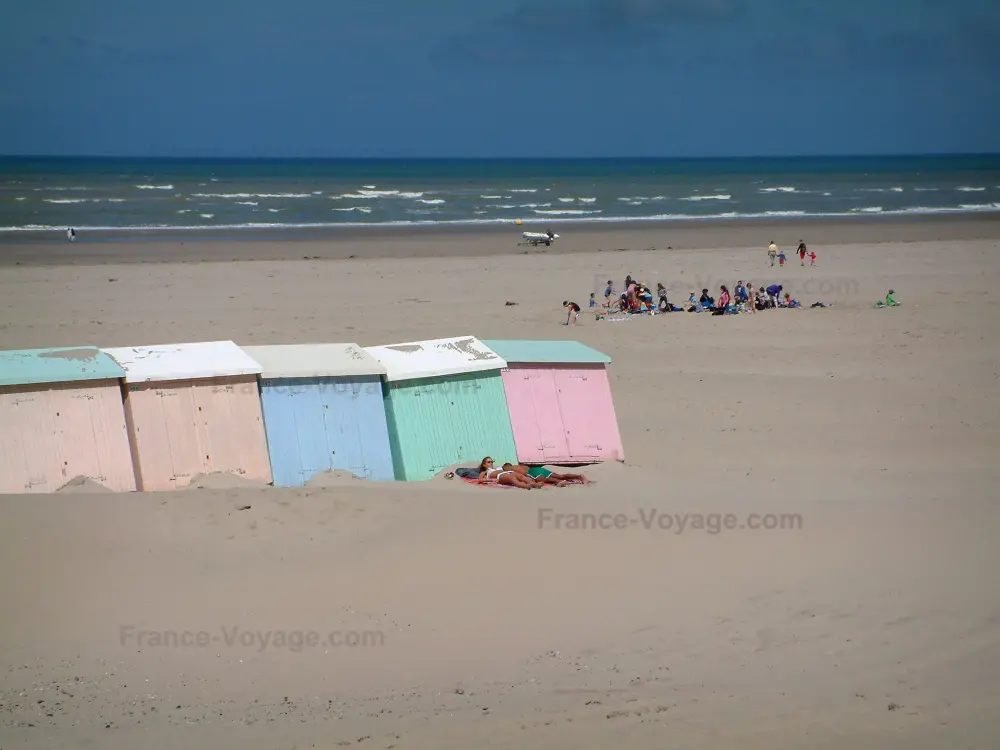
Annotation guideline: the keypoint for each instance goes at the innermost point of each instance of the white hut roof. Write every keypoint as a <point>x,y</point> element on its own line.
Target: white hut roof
<point>436,358</point>
<point>206,359</point>
<point>314,360</point>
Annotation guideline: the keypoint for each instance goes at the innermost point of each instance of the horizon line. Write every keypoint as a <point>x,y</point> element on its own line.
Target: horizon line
<point>120,157</point>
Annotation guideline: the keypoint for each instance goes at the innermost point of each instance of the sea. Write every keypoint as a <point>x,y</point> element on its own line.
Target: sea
<point>42,197</point>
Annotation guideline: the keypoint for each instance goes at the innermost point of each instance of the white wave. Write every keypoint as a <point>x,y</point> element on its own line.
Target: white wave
<point>506,206</point>
<point>868,210</point>
<point>707,198</point>
<point>155,187</point>
<point>368,194</point>
<point>71,200</point>
<point>896,189</point>
<point>251,195</point>
<point>275,210</point>
<point>185,210</point>
<point>535,205</point>
<point>368,187</point>
<point>705,219</point>
<point>926,190</point>
<point>116,200</point>
<point>633,203</point>
<point>642,198</point>
<point>207,216</point>
<point>495,197</point>
<point>431,201</point>
<point>64,189</point>
<point>524,190</point>
<point>779,213</point>
<point>780,189</point>
<point>20,198</point>
<point>966,189</point>
<point>317,192</point>
<point>587,200</point>
<point>979,206</point>
<point>247,203</point>
<point>567,200</point>
<point>565,212</point>
<point>362,209</point>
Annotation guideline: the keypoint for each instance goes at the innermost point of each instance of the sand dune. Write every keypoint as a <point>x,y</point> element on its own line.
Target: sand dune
<point>868,618</point>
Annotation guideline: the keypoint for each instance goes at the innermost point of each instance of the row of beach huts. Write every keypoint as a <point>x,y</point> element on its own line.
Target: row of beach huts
<point>155,417</point>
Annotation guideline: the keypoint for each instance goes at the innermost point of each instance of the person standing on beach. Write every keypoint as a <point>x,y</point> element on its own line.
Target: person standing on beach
<point>71,234</point>
<point>802,253</point>
<point>772,252</point>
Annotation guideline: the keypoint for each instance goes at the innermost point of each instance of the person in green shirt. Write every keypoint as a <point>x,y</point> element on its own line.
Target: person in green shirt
<point>890,300</point>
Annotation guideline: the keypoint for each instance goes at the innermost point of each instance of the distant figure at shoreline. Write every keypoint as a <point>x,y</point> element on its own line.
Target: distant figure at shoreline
<point>71,234</point>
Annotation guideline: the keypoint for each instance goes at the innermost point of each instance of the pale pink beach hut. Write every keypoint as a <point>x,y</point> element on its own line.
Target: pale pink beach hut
<point>193,409</point>
<point>559,400</point>
<point>61,417</point>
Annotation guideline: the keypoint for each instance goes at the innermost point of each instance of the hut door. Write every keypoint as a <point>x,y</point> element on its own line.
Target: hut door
<point>552,444</point>
<point>579,404</point>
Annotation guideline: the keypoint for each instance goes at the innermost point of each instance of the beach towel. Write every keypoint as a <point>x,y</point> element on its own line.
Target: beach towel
<point>475,481</point>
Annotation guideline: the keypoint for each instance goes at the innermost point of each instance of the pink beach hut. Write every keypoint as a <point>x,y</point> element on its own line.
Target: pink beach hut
<point>560,404</point>
<point>61,417</point>
<point>192,409</point>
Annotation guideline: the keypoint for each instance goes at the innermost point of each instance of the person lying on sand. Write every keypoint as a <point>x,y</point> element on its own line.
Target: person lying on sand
<point>541,474</point>
<point>504,476</point>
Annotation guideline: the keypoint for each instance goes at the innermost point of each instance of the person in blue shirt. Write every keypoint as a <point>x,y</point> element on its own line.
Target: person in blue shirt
<point>774,292</point>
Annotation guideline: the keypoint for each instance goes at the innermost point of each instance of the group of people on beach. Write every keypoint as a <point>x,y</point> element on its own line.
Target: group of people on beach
<point>775,253</point>
<point>524,477</point>
<point>743,300</point>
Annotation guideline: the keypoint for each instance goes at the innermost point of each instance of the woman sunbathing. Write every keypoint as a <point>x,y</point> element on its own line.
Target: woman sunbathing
<point>504,476</point>
<point>545,476</point>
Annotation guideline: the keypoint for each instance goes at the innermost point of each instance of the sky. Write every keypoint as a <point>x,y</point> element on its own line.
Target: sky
<point>499,78</point>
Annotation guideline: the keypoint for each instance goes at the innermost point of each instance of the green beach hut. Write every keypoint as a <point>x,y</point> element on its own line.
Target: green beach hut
<point>444,404</point>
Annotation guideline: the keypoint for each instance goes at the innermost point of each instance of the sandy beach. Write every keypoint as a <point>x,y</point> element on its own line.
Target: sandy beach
<point>866,615</point>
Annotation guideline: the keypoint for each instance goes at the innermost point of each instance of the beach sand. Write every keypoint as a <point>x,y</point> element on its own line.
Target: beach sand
<point>872,620</point>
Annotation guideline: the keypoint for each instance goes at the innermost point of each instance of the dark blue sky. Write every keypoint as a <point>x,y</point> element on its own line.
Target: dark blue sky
<point>499,78</point>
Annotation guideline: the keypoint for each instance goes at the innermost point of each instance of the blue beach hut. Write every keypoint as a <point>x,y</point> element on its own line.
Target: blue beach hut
<point>323,410</point>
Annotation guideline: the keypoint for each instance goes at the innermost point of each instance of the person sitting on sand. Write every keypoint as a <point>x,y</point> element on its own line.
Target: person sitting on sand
<point>789,302</point>
<point>890,300</point>
<point>724,299</point>
<point>546,476</point>
<point>487,474</point>
<point>693,305</point>
<point>573,312</point>
<point>760,299</point>
<point>706,300</point>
